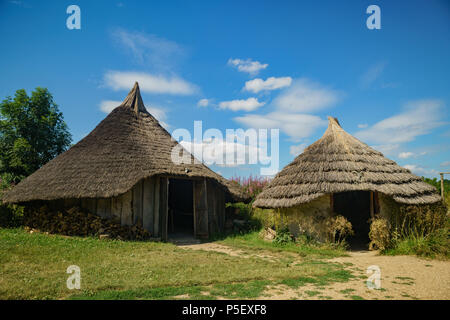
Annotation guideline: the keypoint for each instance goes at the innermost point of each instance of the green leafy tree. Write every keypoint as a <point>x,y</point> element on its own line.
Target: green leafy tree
<point>32,132</point>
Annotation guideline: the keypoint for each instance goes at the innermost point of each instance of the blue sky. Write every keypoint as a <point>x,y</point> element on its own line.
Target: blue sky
<point>246,64</point>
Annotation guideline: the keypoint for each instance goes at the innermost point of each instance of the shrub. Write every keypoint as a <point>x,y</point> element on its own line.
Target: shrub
<point>11,216</point>
<point>338,228</point>
<point>252,185</point>
<point>379,234</point>
<point>283,236</point>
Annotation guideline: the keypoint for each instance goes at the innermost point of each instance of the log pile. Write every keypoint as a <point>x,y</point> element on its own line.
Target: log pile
<point>78,222</point>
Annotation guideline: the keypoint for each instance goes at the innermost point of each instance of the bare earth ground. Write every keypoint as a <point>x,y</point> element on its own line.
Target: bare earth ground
<point>402,277</point>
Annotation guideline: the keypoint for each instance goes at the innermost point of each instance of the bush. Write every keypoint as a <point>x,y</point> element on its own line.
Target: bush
<point>283,236</point>
<point>379,234</point>
<point>11,216</point>
<point>338,228</point>
<point>242,211</point>
<point>252,186</point>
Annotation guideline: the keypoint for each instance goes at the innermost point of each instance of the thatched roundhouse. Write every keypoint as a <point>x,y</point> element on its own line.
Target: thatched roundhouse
<point>124,169</point>
<point>338,174</point>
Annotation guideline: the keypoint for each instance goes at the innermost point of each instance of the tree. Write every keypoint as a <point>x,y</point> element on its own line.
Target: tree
<point>32,132</point>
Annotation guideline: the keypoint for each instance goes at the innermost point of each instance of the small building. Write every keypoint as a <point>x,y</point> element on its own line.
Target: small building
<point>338,174</point>
<point>123,169</point>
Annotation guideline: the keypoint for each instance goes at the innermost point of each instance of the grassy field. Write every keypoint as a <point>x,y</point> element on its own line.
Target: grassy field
<point>33,266</point>
<point>252,241</point>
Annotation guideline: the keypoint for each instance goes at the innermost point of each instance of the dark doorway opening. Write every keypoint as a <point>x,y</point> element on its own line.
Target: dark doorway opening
<point>181,209</point>
<point>355,207</point>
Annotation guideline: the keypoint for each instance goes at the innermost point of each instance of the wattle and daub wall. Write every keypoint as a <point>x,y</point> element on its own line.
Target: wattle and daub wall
<point>309,218</point>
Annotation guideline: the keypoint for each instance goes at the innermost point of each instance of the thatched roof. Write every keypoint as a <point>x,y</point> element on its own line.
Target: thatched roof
<point>127,146</point>
<point>339,162</point>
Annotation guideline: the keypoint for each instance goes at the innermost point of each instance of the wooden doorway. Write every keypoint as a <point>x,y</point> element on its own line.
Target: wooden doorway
<point>180,208</point>
<point>355,206</point>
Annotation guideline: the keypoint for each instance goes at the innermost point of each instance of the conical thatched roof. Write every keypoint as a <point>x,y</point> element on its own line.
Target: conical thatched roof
<point>339,162</point>
<point>127,146</point>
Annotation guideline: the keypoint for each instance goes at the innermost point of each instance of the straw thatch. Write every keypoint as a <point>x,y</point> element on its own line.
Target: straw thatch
<point>127,146</point>
<point>339,162</point>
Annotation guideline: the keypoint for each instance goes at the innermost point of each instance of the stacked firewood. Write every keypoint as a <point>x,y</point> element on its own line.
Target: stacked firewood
<point>78,222</point>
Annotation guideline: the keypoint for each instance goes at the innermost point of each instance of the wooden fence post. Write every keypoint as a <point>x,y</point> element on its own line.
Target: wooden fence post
<point>442,186</point>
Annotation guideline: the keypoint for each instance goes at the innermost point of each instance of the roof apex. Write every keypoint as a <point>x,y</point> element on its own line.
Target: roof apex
<point>134,100</point>
<point>333,121</point>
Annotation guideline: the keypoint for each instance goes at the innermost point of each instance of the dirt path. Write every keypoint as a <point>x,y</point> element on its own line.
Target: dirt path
<point>211,246</point>
<point>402,277</point>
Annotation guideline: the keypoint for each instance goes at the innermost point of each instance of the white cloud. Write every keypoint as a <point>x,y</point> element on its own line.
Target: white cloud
<point>420,171</point>
<point>372,74</point>
<point>203,103</point>
<point>419,118</point>
<point>405,155</point>
<point>363,125</point>
<point>295,150</point>
<point>305,96</point>
<point>295,125</point>
<point>248,66</point>
<point>445,164</point>
<point>217,151</point>
<point>387,149</point>
<point>124,80</point>
<point>272,83</point>
<point>247,105</point>
<point>107,106</point>
<point>149,49</point>
<point>290,105</point>
<point>408,154</point>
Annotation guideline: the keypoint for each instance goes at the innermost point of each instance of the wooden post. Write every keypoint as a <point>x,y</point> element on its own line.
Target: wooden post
<point>442,184</point>
<point>163,206</point>
<point>156,208</point>
<point>331,204</point>
<point>194,201</point>
<point>376,202</point>
<point>371,205</point>
<point>206,207</point>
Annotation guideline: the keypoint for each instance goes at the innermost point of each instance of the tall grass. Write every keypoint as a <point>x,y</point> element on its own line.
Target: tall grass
<point>420,230</point>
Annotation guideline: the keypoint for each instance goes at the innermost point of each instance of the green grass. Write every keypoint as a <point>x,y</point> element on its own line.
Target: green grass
<point>253,241</point>
<point>33,266</point>
<point>347,291</point>
<point>312,293</point>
